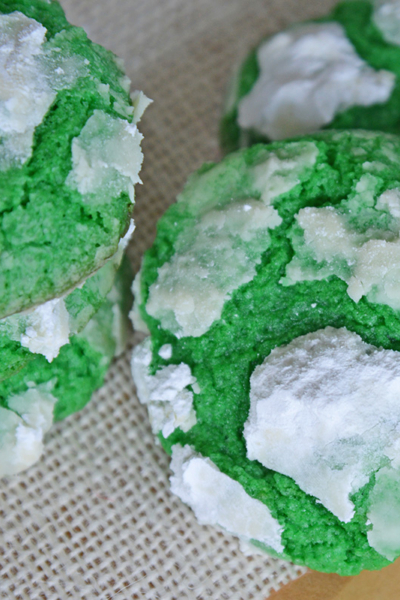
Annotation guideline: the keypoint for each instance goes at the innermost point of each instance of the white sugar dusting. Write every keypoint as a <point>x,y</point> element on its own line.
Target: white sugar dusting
<point>22,427</point>
<point>369,261</point>
<point>283,169</point>
<point>169,403</point>
<point>31,72</point>
<point>216,499</point>
<point>165,351</point>
<point>308,74</point>
<point>221,250</point>
<point>140,102</point>
<point>106,158</point>
<point>386,16</point>
<point>212,259</point>
<point>134,315</point>
<point>384,512</point>
<point>124,241</point>
<point>47,329</point>
<point>325,410</point>
<point>25,94</point>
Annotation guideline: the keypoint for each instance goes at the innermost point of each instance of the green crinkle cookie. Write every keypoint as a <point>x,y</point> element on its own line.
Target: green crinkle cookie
<point>271,374</point>
<point>341,71</point>
<point>41,392</point>
<point>69,154</point>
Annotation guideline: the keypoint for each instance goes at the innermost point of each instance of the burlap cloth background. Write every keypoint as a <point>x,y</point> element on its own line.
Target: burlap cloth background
<point>95,519</point>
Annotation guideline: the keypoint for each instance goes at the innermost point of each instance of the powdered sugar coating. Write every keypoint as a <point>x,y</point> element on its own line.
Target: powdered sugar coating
<point>283,169</point>
<point>216,499</point>
<point>31,72</point>
<point>47,329</point>
<point>220,254</point>
<point>22,427</point>
<point>165,393</point>
<point>334,243</point>
<point>315,414</point>
<point>307,75</point>
<point>384,510</point>
<point>386,16</point>
<point>106,158</point>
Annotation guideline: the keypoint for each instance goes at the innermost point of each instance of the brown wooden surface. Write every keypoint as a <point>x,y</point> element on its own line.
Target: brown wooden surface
<point>368,585</point>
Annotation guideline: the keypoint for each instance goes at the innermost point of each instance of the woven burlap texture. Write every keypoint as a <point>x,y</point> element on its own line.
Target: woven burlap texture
<point>95,518</point>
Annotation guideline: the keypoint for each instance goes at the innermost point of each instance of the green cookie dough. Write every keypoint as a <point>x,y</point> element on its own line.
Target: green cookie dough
<point>69,154</point>
<point>341,71</point>
<point>42,392</point>
<point>49,326</point>
<point>271,374</point>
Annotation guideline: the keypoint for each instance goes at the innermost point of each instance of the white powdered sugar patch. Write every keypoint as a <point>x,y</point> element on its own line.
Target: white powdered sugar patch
<point>384,511</point>
<point>140,102</point>
<point>369,262</point>
<point>390,201</point>
<point>216,499</point>
<point>169,403</point>
<point>122,245</point>
<point>120,102</point>
<point>308,74</point>
<point>25,94</point>
<point>325,410</point>
<point>47,329</point>
<point>124,241</point>
<point>134,315</point>
<point>106,158</point>
<point>31,71</point>
<point>165,351</point>
<point>386,17</point>
<point>212,259</point>
<point>22,427</point>
<point>283,169</point>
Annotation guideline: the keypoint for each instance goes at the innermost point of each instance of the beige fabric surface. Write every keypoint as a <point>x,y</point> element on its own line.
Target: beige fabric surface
<point>95,519</point>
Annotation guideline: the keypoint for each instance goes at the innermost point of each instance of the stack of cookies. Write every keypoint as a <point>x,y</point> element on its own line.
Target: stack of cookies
<point>69,160</point>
